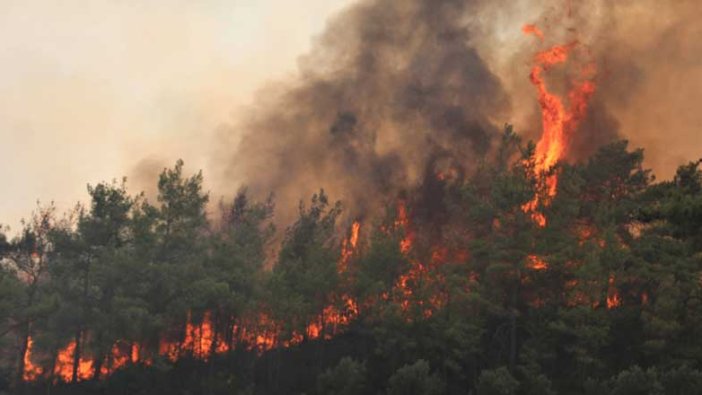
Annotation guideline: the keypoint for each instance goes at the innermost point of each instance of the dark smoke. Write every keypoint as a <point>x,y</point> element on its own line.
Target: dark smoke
<point>390,87</point>
<point>397,89</point>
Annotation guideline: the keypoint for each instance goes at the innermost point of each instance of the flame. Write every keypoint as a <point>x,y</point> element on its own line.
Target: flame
<point>402,221</point>
<point>332,319</point>
<point>31,371</point>
<point>420,272</point>
<point>613,299</point>
<point>533,29</point>
<point>198,341</point>
<point>536,263</point>
<point>63,368</point>
<point>135,353</point>
<point>558,121</point>
<point>199,338</point>
<point>169,349</point>
<point>119,358</point>
<point>259,332</point>
<point>348,246</point>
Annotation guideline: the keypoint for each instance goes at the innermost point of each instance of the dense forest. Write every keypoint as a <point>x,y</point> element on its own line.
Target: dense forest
<point>477,281</point>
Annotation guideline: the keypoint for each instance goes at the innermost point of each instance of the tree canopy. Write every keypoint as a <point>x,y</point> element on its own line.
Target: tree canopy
<point>459,287</point>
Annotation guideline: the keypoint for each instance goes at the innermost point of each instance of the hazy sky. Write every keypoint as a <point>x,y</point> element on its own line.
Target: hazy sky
<point>90,88</point>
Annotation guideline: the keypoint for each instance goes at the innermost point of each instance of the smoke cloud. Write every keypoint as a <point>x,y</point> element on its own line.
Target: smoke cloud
<point>395,87</point>
<point>390,88</point>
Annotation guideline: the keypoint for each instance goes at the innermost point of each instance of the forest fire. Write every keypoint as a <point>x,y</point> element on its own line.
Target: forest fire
<point>387,233</point>
<point>437,197</point>
<point>200,340</point>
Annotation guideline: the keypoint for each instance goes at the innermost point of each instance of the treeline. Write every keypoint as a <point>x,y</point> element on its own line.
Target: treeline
<point>456,289</point>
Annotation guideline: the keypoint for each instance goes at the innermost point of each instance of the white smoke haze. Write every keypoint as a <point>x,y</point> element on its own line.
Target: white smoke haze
<point>358,97</point>
<point>91,91</point>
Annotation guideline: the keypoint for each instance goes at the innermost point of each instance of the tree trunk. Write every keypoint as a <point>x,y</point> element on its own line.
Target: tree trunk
<point>84,300</point>
<point>52,376</point>
<point>230,335</point>
<point>98,367</point>
<point>513,328</point>
<point>76,357</point>
<point>100,361</point>
<point>25,338</point>
<point>19,384</point>
<point>215,325</point>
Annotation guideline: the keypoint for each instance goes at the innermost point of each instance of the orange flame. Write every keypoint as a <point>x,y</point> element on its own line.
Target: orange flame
<point>536,263</point>
<point>348,246</point>
<point>31,371</point>
<point>613,299</point>
<point>402,221</point>
<point>558,122</point>
<point>64,364</point>
<point>533,29</point>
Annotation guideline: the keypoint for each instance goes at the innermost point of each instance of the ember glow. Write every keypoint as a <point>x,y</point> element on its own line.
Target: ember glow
<point>536,263</point>
<point>613,299</point>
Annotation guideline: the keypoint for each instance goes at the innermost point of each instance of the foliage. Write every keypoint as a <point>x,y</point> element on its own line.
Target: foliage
<point>346,378</point>
<point>415,379</point>
<point>497,382</point>
<point>457,289</point>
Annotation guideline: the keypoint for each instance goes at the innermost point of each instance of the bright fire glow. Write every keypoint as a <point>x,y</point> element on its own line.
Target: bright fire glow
<point>31,371</point>
<point>64,365</point>
<point>536,263</point>
<point>613,299</point>
<point>558,121</point>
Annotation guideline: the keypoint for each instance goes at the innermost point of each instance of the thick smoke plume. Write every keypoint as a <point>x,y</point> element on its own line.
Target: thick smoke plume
<point>391,88</point>
<point>396,89</point>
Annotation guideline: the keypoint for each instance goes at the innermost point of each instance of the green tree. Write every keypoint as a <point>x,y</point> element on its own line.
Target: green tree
<point>234,277</point>
<point>497,382</point>
<point>27,257</point>
<point>305,275</point>
<point>636,381</point>
<point>85,273</point>
<point>348,377</point>
<point>171,247</point>
<point>668,260</point>
<point>415,379</point>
